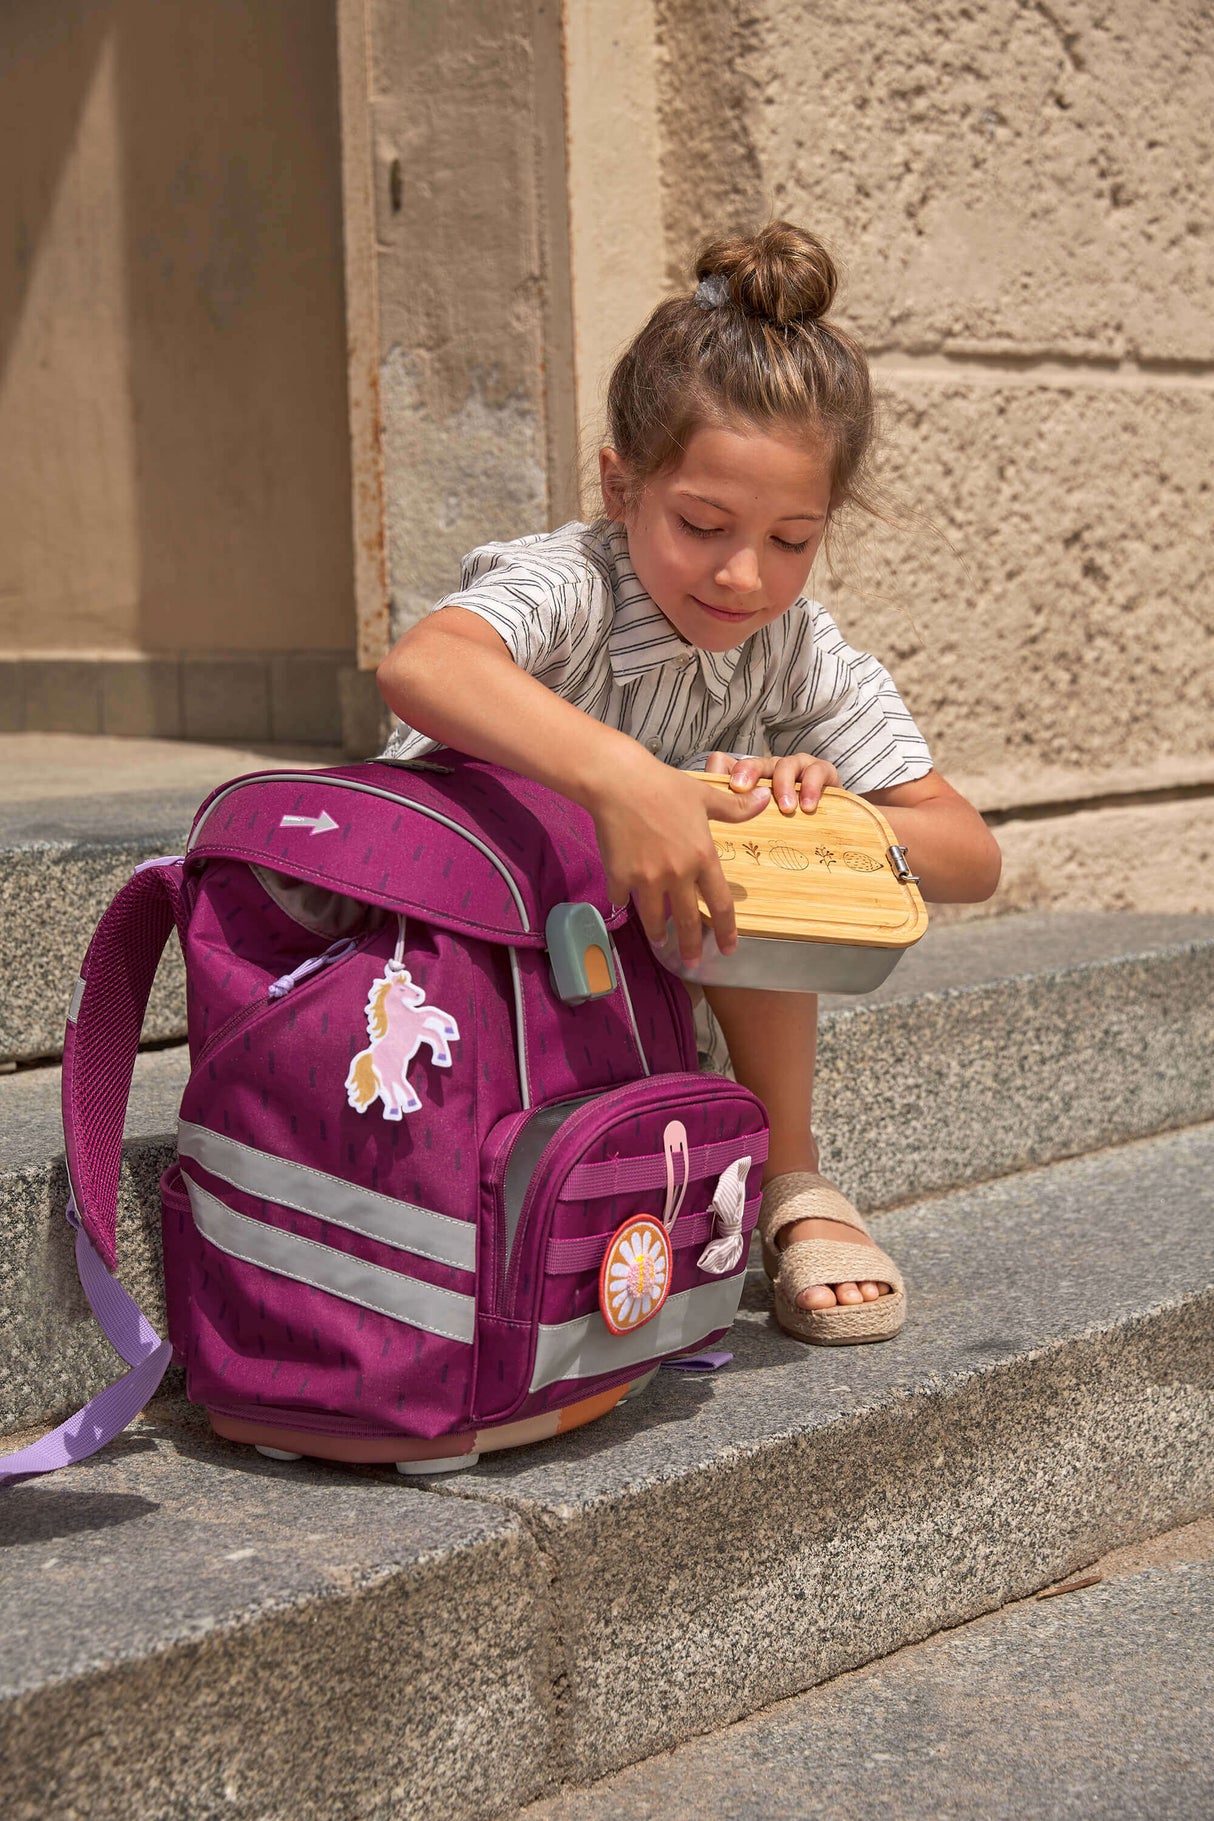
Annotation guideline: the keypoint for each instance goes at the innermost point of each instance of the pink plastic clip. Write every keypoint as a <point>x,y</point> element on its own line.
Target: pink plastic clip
<point>674,1144</point>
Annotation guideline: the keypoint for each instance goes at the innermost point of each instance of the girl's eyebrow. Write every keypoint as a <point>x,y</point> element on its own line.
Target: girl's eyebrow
<point>790,518</point>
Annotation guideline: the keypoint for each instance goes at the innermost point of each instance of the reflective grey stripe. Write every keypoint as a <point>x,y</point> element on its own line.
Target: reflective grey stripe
<point>73,1010</point>
<point>305,1262</point>
<point>370,790</point>
<point>294,1185</point>
<point>584,1348</point>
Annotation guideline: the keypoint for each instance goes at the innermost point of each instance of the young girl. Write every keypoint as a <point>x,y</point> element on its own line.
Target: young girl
<point>606,660</point>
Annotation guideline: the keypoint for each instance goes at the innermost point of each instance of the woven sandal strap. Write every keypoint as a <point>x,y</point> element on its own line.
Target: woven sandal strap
<point>804,1195</point>
<point>810,1262</point>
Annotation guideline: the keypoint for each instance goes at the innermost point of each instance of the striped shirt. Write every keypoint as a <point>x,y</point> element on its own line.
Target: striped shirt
<point>571,611</point>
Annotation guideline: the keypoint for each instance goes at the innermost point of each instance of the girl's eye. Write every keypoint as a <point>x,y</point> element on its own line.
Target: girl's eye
<point>796,548</point>
<point>697,530</point>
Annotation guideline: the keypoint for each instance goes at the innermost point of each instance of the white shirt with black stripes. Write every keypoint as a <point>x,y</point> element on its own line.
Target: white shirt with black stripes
<point>571,611</point>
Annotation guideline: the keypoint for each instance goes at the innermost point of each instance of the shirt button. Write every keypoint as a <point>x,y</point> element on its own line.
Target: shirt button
<point>685,660</point>
<point>655,747</point>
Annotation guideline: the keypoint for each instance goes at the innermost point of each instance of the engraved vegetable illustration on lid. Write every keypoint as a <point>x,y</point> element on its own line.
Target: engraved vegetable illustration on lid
<point>790,858</point>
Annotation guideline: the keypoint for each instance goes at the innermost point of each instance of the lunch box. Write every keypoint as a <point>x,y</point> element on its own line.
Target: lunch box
<point>825,902</point>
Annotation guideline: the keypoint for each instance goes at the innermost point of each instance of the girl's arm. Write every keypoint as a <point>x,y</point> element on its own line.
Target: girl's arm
<point>452,677</point>
<point>947,843</point>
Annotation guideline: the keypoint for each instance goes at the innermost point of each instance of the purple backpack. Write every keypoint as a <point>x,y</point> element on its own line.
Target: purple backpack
<point>448,1178</point>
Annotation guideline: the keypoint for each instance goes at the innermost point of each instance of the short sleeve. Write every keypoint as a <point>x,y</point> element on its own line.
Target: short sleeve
<point>842,705</point>
<point>548,599</point>
<point>545,597</point>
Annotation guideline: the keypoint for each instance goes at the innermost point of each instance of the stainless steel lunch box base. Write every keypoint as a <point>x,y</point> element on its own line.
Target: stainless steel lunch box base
<point>785,967</point>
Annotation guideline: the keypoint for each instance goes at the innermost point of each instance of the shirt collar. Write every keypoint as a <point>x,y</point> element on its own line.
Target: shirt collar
<point>641,636</point>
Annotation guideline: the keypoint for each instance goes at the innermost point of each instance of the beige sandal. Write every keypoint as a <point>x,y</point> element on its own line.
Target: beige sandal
<point>804,1195</point>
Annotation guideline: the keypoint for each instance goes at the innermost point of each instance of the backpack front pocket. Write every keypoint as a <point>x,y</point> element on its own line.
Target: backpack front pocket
<point>601,1213</point>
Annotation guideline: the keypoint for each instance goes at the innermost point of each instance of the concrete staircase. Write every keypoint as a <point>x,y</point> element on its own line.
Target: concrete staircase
<point>191,1630</point>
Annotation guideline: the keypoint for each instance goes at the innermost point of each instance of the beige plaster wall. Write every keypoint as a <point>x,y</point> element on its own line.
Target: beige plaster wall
<point>174,471</point>
<point>617,246</point>
<point>476,385</point>
<point>1021,196</point>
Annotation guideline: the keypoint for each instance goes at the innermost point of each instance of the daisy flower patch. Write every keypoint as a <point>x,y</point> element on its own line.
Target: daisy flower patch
<point>634,1280</point>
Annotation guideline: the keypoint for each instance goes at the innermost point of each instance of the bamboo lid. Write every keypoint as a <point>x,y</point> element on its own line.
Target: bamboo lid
<point>822,877</point>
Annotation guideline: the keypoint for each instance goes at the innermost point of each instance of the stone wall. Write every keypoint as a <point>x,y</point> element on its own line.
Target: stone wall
<point>174,470</point>
<point>1021,198</point>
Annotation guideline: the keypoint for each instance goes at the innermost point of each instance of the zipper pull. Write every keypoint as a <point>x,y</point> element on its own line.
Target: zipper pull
<point>674,1144</point>
<point>312,965</point>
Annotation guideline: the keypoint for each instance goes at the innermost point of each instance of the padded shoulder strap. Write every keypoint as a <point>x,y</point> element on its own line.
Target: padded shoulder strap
<point>104,1024</point>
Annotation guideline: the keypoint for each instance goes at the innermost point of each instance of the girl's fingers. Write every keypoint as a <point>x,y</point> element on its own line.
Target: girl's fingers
<point>728,806</point>
<point>784,779</point>
<point>651,908</point>
<point>689,930</point>
<point>719,762</point>
<point>745,774</point>
<point>816,774</point>
<point>719,900</point>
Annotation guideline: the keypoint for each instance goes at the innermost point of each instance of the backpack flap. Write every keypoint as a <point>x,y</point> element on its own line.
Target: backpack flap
<point>461,844</point>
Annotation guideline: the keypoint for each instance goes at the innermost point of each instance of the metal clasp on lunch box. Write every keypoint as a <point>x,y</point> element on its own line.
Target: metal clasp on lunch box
<point>901,866</point>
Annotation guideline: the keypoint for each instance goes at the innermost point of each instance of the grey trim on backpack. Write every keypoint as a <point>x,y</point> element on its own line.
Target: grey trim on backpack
<point>520,1030</point>
<point>525,1154</point>
<point>586,1348</point>
<point>344,1204</point>
<point>304,1261</point>
<point>632,1017</point>
<point>77,1000</point>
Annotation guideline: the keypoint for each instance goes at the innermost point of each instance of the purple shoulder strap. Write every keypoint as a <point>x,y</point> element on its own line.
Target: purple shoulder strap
<point>104,1024</point>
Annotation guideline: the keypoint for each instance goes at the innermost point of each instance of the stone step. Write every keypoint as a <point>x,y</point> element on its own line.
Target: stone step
<point>991,1048</point>
<point>1097,1704</point>
<point>79,815</point>
<point>61,862</point>
<point>191,1629</point>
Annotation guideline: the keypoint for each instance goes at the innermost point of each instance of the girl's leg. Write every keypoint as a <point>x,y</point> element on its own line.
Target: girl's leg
<point>772,1040</point>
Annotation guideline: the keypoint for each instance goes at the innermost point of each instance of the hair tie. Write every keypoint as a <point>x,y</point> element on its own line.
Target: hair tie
<point>712,292</point>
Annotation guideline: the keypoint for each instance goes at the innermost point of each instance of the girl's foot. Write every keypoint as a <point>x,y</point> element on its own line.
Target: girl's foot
<point>814,1244</point>
<point>827,1296</point>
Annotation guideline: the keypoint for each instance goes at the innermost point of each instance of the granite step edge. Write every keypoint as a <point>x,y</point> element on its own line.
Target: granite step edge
<point>691,1567</point>
<point>737,1541</point>
<point>241,1642</point>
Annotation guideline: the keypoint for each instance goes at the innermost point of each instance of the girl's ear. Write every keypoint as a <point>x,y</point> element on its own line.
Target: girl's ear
<point>613,478</point>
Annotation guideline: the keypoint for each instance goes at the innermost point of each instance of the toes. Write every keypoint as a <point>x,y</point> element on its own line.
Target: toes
<point>824,1296</point>
<point>820,1296</point>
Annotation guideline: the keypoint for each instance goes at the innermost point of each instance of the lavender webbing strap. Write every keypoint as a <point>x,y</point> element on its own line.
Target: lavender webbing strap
<point>106,1415</point>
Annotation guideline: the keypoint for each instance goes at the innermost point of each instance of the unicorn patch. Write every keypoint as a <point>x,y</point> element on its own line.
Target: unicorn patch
<point>398,1022</point>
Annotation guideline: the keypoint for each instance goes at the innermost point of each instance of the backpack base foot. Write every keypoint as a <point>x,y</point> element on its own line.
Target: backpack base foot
<point>412,1454</point>
<point>451,1463</point>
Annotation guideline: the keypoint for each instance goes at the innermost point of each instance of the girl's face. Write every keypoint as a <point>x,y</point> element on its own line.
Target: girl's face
<point>723,543</point>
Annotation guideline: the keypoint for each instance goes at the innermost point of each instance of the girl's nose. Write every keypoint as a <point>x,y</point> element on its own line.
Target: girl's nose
<point>741,572</point>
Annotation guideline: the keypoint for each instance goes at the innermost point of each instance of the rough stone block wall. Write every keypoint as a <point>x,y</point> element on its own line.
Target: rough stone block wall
<point>1020,196</point>
<point>475,342</point>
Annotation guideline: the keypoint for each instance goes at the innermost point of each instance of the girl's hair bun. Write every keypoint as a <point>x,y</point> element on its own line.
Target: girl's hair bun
<point>782,274</point>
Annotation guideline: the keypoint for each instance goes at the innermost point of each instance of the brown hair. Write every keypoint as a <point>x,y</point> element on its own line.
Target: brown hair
<point>752,342</point>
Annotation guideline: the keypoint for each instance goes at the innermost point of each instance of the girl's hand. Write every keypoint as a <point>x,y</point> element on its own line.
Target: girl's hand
<point>797,778</point>
<point>653,832</point>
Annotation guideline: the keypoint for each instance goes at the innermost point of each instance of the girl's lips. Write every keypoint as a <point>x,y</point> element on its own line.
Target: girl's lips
<point>721,613</point>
